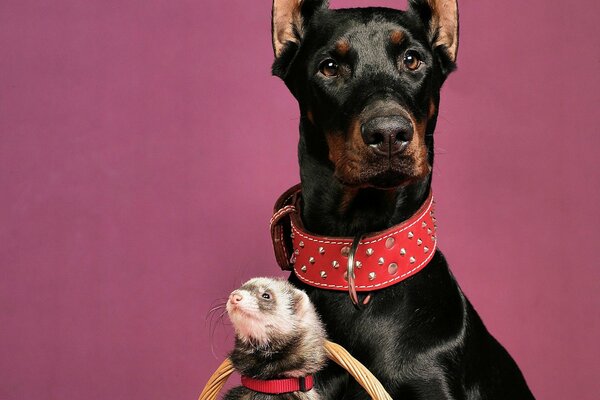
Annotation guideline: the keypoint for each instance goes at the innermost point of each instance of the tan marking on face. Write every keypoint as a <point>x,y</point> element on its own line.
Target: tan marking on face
<point>396,37</point>
<point>347,152</point>
<point>338,153</point>
<point>432,109</point>
<point>417,149</point>
<point>310,117</point>
<point>342,47</point>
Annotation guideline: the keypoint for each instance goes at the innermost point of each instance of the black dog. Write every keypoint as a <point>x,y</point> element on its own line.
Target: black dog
<point>367,82</point>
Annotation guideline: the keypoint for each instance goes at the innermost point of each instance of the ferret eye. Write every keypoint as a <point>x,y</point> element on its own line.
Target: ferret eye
<point>266,296</point>
<point>412,60</point>
<point>329,68</point>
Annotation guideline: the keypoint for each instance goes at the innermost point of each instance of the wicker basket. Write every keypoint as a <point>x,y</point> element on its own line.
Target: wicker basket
<point>334,351</point>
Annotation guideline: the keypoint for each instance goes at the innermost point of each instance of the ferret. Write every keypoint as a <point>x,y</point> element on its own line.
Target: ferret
<point>278,335</point>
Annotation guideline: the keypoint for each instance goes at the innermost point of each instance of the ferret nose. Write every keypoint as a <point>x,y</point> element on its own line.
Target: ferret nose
<point>389,134</point>
<point>235,298</point>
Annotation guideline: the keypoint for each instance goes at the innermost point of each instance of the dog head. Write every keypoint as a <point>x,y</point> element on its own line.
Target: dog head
<point>367,81</point>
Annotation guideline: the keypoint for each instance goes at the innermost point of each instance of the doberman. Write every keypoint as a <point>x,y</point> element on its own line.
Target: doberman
<point>368,82</point>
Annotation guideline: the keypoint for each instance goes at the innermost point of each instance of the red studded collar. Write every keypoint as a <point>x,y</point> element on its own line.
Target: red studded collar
<point>377,260</point>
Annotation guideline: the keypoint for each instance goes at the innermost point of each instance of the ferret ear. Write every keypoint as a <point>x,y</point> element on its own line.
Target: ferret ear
<point>441,16</point>
<point>289,17</point>
<point>302,304</point>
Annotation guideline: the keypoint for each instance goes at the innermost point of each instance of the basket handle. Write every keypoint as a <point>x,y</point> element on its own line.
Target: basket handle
<point>363,376</point>
<point>334,351</point>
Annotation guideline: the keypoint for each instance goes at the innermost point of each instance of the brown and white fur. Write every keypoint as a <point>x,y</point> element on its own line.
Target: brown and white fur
<point>278,335</point>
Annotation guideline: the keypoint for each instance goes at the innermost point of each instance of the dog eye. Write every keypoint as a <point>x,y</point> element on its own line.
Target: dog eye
<point>412,60</point>
<point>329,68</point>
<point>266,296</point>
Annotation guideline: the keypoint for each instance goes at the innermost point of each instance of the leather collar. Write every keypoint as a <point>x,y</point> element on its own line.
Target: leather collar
<point>279,386</point>
<point>381,259</point>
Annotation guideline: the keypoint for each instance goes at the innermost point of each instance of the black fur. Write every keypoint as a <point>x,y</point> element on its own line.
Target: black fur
<point>268,363</point>
<point>421,337</point>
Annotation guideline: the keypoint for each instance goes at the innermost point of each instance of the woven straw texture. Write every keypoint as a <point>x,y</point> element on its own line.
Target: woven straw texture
<point>334,351</point>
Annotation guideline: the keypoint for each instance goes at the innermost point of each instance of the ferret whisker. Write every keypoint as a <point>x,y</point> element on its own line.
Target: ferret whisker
<point>217,307</point>
<point>222,315</point>
<point>217,304</point>
<point>219,300</point>
<point>214,322</point>
<point>211,313</point>
<point>210,319</point>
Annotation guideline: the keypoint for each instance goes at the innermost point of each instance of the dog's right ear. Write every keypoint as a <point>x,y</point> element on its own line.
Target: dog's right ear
<point>441,17</point>
<point>289,17</point>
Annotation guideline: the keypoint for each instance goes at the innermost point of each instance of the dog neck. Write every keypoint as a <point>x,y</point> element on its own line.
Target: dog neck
<point>332,209</point>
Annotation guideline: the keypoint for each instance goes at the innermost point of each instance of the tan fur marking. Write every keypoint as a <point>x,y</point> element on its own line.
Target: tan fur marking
<point>432,109</point>
<point>418,150</point>
<point>342,47</point>
<point>396,37</point>
<point>347,152</point>
<point>444,21</point>
<point>335,141</point>
<point>310,117</point>
<point>286,17</point>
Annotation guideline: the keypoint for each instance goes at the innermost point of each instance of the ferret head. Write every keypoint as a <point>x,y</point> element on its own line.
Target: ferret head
<point>266,309</point>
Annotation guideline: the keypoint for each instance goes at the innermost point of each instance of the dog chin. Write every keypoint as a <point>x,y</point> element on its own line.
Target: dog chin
<point>387,179</point>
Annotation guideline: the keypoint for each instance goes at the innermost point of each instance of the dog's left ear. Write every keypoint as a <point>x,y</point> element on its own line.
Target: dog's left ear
<point>442,18</point>
<point>288,20</point>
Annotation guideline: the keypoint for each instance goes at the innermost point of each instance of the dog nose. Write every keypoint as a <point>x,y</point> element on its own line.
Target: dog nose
<point>388,134</point>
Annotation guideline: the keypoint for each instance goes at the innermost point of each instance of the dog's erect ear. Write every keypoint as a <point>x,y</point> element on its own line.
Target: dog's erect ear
<point>442,18</point>
<point>289,17</point>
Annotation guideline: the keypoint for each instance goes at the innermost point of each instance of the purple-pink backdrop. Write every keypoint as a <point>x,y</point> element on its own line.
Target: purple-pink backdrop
<point>142,144</point>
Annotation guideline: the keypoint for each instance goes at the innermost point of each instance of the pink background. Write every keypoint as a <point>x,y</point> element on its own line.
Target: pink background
<point>142,144</point>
